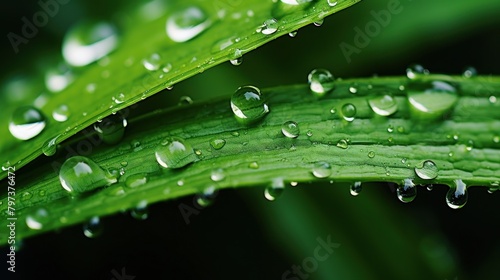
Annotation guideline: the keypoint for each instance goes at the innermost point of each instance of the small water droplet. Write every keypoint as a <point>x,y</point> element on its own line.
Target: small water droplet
<point>185,100</point>
<point>186,24</point>
<point>332,3</point>
<point>492,99</point>
<point>343,144</point>
<point>269,27</point>
<point>218,175</point>
<point>57,79</point>
<point>140,212</point>
<point>89,41</point>
<point>136,180</point>
<point>322,169</point>
<point>174,152</point>
<point>37,219</point>
<point>470,72</point>
<point>415,71</point>
<point>469,145</point>
<point>294,184</point>
<point>119,98</point>
<point>406,192</point>
<point>353,89</point>
<point>217,143</point>
<point>456,197</point>
<point>390,128</point>
<point>290,129</point>
<point>320,81</point>
<point>309,133</point>
<point>111,128</point>
<point>383,105</point>
<point>253,165</point>
<point>293,34</point>
<point>430,187</point>
<point>26,196</point>
<point>348,112</point>
<point>356,188</point>
<point>207,197</point>
<point>427,171</point>
<point>496,139</point>
<point>152,63</point>
<point>237,61</point>
<point>248,104</point>
<point>276,189</point>
<point>319,22</point>
<point>61,113</point>
<point>80,174</point>
<point>371,154</point>
<point>93,228</point>
<point>27,122</point>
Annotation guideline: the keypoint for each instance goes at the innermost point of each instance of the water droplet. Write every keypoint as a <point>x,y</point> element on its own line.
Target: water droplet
<point>356,188</point>
<point>456,197</point>
<point>353,89</point>
<point>119,98</point>
<point>207,197</point>
<point>237,61</point>
<point>248,105</point>
<point>152,63</point>
<point>343,144</point>
<point>390,128</point>
<point>26,122</point>
<point>430,187</point>
<point>185,100</point>
<point>416,70</point>
<point>295,2</point>
<point>322,169</point>
<point>496,139</point>
<point>253,165</point>
<point>371,154</point>
<point>111,128</point>
<point>290,129</point>
<point>272,192</point>
<point>26,196</point>
<point>218,175</point>
<point>293,34</point>
<point>309,133</point>
<point>93,228</point>
<point>59,78</point>
<point>469,145</point>
<point>186,24</point>
<point>80,174</point>
<point>383,105</point>
<point>470,72</point>
<point>49,148</point>
<point>174,152</point>
<point>269,27</point>
<point>407,192</point>
<point>61,113</point>
<point>136,180</point>
<point>348,112</point>
<point>37,219</point>
<point>140,212</point>
<point>332,3</point>
<point>492,99</point>
<point>431,101</point>
<point>217,144</point>
<point>294,184</point>
<point>427,171</point>
<point>319,22</point>
<point>89,41</point>
<point>320,81</point>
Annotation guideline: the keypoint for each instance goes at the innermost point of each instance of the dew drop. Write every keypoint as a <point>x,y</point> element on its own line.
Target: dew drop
<point>89,41</point>
<point>79,174</point>
<point>309,133</point>
<point>37,219</point>
<point>254,165</point>
<point>119,98</point>
<point>276,189</point>
<point>93,228</point>
<point>49,148</point>
<point>407,192</point>
<point>248,104</point>
<point>269,27</point>
<point>320,81</point>
<point>237,61</point>
<point>59,78</point>
<point>492,99</point>
<point>140,212</point>
<point>371,154</point>
<point>136,180</point>
<point>348,112</point>
<point>470,72</point>
<point>26,122</point>
<point>207,197</point>
<point>415,71</point>
<point>26,196</point>
<point>111,128</point>
<point>217,143</point>
<point>343,144</point>
<point>427,171</point>
<point>353,89</point>
<point>186,24</point>
<point>185,100</point>
<point>321,169</point>
<point>431,101</point>
<point>293,34</point>
<point>290,129</point>
<point>332,3</point>
<point>174,152</point>
<point>152,63</point>
<point>384,105</point>
<point>319,22</point>
<point>218,175</point>
<point>456,197</point>
<point>356,188</point>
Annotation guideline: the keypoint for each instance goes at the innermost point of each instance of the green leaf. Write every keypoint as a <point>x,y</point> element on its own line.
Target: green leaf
<point>463,144</point>
<point>217,31</point>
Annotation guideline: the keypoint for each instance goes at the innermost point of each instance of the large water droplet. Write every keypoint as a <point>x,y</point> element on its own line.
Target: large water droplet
<point>320,81</point>
<point>431,101</point>
<point>290,129</point>
<point>93,227</point>
<point>111,128</point>
<point>248,104</point>
<point>61,113</point>
<point>37,219</point>
<point>427,171</point>
<point>88,42</point>
<point>269,27</point>
<point>26,122</point>
<point>407,192</point>
<point>348,112</point>
<point>322,169</point>
<point>174,152</point>
<point>80,174</point>
<point>356,188</point>
<point>456,197</point>
<point>186,24</point>
<point>383,105</point>
<point>272,192</point>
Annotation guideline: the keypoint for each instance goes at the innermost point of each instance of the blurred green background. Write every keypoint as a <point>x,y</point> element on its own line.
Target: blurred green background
<point>243,236</point>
